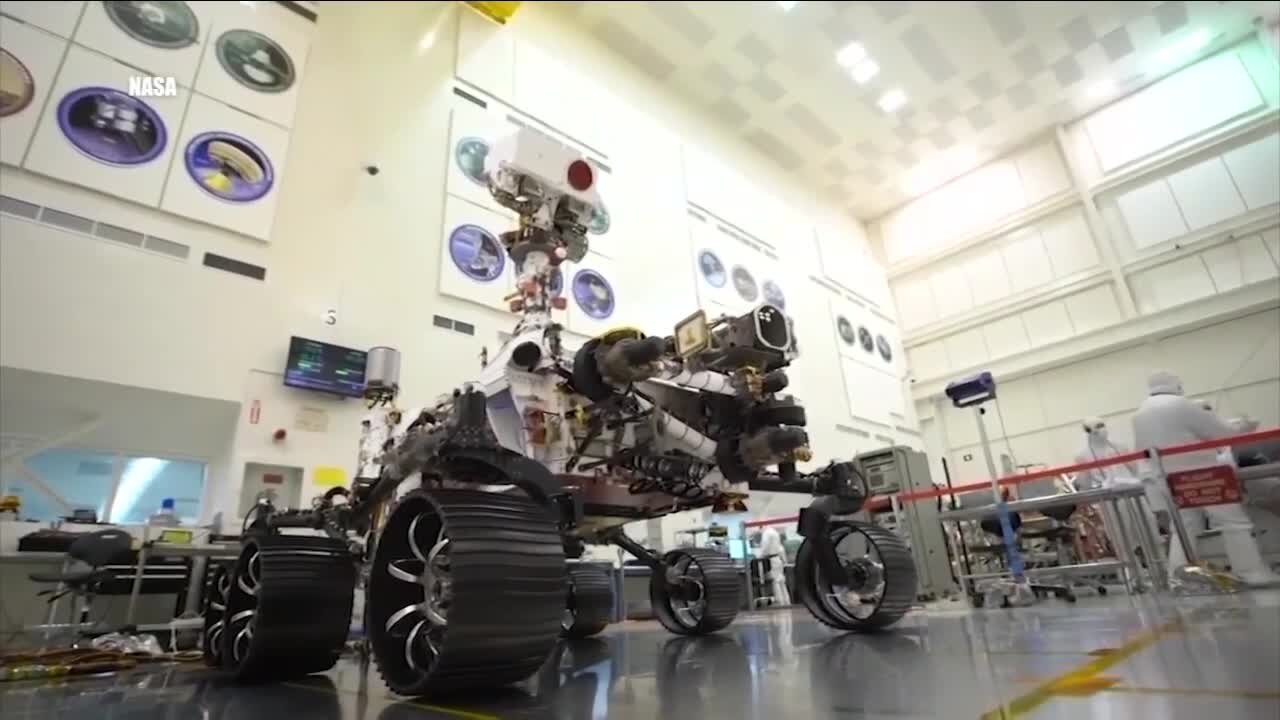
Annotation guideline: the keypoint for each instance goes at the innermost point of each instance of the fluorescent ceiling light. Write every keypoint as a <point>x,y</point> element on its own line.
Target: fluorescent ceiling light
<point>892,100</point>
<point>851,55</point>
<point>788,5</point>
<point>864,71</point>
<point>939,169</point>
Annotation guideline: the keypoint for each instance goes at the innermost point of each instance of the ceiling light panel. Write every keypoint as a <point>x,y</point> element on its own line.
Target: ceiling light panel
<point>864,71</point>
<point>851,55</point>
<point>892,100</point>
<point>785,5</point>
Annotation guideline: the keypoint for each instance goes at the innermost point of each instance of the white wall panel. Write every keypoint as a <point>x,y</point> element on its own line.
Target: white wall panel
<point>1205,194</point>
<point>1256,170</point>
<point>1151,214</point>
<point>1172,284</point>
<point>59,18</point>
<point>1006,336</point>
<point>1021,405</point>
<point>1206,94</point>
<point>1243,262</point>
<point>962,429</point>
<point>967,349</point>
<point>1043,172</point>
<point>486,55</point>
<point>1245,350</point>
<point>1271,239</point>
<point>914,299</point>
<point>928,360</point>
<point>1048,323</point>
<point>1068,242</point>
<point>1260,402</point>
<point>1093,309</point>
<point>53,155</point>
<point>1025,256</point>
<point>988,277</point>
<point>41,54</point>
<point>951,294</point>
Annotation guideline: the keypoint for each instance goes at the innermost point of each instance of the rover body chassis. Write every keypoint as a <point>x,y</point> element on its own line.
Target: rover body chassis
<point>471,574</point>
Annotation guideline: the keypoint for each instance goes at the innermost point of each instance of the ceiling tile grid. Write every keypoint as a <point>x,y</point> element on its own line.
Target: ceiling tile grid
<point>980,77</point>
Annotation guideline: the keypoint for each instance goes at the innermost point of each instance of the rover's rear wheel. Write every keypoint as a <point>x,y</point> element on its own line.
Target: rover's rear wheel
<point>288,607</point>
<point>466,590</point>
<point>217,585</point>
<point>700,594</point>
<point>589,605</point>
<point>882,579</point>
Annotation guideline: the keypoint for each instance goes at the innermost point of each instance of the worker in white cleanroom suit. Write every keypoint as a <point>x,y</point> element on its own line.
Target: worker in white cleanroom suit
<point>1099,446</point>
<point>771,549</point>
<point>1167,418</point>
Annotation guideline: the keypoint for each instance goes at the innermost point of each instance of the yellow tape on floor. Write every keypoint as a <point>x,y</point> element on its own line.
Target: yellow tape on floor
<point>1200,692</point>
<point>1084,680</point>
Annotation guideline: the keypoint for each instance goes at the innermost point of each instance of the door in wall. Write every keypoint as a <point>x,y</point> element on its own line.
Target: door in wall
<point>282,483</point>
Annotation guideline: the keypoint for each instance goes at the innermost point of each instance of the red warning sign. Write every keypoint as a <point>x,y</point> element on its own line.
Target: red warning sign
<point>1216,485</point>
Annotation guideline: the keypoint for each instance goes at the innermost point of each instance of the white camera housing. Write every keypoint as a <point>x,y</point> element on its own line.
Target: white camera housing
<point>529,163</point>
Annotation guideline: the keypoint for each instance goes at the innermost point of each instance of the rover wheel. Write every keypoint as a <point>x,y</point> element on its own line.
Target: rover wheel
<point>288,607</point>
<point>700,594</point>
<point>466,591</point>
<point>589,606</point>
<point>882,579</point>
<point>217,585</point>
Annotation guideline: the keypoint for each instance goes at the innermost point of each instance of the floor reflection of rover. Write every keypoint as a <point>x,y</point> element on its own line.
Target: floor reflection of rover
<point>872,675</point>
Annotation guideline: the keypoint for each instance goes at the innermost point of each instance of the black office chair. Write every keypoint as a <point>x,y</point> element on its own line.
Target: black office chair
<point>84,573</point>
<point>991,526</point>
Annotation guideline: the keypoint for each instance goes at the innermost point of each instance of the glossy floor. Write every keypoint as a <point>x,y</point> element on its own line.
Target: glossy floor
<point>1104,657</point>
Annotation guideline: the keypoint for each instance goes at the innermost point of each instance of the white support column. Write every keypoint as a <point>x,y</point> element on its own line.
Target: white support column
<point>1098,227</point>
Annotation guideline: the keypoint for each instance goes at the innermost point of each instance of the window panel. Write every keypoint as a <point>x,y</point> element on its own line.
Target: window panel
<point>146,482</point>
<point>82,478</point>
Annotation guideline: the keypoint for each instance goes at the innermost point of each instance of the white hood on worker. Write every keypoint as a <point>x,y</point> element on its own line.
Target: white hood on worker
<point>1167,418</point>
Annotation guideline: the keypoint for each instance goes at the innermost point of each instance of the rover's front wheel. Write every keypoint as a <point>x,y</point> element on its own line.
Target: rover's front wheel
<point>881,579</point>
<point>466,590</point>
<point>288,607</point>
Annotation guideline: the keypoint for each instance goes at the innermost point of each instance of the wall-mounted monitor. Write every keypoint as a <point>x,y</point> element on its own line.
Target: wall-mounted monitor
<point>315,365</point>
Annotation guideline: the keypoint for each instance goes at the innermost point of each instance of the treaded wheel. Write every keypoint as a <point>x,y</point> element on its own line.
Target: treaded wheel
<point>589,606</point>
<point>883,574</point>
<point>705,597</point>
<point>214,610</point>
<point>466,591</point>
<point>288,606</point>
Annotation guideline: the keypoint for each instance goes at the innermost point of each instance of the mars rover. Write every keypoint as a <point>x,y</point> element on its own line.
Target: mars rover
<point>466,518</point>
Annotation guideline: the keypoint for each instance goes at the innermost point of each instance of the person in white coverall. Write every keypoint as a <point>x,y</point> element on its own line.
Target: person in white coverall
<point>1099,446</point>
<point>771,549</point>
<point>1166,418</point>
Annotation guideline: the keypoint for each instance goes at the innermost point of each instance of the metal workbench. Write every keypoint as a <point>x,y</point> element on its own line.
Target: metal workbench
<point>1123,501</point>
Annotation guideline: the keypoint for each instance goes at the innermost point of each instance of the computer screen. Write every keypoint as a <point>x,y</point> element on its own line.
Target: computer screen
<point>315,365</point>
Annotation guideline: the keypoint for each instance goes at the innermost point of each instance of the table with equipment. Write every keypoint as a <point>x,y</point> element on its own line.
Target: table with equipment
<point>1124,501</point>
<point>200,554</point>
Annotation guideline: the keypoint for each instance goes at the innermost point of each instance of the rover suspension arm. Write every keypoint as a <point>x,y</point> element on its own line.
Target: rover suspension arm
<point>835,493</point>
